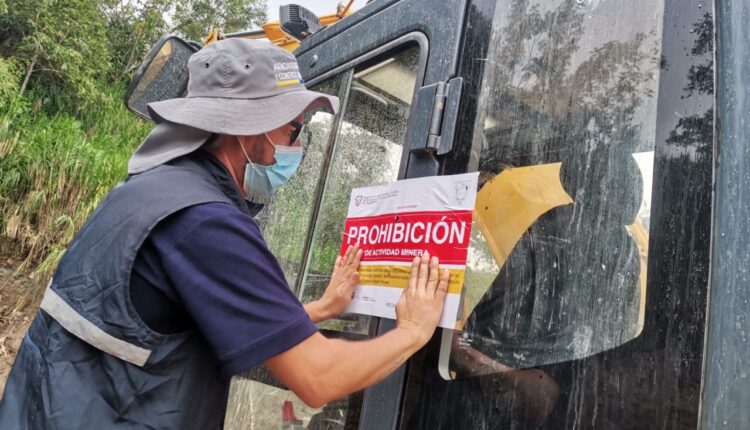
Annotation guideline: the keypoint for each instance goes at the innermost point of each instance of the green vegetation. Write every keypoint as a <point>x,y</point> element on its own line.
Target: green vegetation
<point>65,134</point>
<point>55,169</point>
<point>191,16</point>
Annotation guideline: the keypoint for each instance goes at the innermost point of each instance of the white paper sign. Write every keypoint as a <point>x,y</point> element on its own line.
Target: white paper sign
<point>393,223</point>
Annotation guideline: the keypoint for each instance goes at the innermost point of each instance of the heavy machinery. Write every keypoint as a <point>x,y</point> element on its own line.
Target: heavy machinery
<point>607,284</point>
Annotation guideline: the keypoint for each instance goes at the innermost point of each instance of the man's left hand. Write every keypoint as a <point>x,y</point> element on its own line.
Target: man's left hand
<point>339,292</point>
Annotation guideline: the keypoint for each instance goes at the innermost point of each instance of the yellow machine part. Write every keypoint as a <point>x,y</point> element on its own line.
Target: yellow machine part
<point>276,35</point>
<point>273,32</point>
<point>507,206</point>
<point>509,203</point>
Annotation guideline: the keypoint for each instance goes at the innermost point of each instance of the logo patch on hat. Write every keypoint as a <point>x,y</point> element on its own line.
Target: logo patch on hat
<point>286,74</point>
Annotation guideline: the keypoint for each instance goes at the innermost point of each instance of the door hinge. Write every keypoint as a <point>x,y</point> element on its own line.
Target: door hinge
<point>432,124</point>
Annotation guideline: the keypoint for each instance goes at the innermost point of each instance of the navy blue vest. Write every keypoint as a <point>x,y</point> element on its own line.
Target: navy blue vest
<point>88,361</point>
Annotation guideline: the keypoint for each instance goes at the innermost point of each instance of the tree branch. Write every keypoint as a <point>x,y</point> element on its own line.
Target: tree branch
<point>29,71</point>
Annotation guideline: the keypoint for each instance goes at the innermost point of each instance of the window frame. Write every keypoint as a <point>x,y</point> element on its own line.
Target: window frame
<point>348,68</point>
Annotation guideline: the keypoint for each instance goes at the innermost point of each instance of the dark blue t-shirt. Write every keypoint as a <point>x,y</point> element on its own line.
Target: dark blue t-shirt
<point>207,267</point>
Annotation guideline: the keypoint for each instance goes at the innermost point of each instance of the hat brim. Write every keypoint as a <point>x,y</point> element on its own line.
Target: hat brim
<point>241,117</point>
<point>166,142</point>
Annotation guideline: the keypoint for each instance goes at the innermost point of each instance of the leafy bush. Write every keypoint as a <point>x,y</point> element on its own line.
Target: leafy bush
<point>8,79</point>
<point>54,171</point>
<point>65,135</point>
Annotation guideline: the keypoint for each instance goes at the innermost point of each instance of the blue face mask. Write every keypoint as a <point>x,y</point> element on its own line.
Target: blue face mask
<point>262,181</point>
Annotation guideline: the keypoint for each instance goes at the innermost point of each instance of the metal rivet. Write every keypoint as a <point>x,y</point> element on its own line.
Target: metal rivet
<point>314,60</point>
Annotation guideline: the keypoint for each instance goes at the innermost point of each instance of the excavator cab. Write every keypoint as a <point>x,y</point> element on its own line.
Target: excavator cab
<point>609,144</point>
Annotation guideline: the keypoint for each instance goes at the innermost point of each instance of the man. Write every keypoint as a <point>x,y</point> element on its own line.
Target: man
<point>169,288</point>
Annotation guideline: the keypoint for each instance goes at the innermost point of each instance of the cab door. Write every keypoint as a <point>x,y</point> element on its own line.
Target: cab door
<point>393,66</point>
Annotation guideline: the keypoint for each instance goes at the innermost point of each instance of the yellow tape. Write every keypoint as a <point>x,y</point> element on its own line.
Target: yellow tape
<point>398,277</point>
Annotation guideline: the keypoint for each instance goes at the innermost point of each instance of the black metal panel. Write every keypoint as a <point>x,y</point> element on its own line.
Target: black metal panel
<point>439,21</point>
<point>726,392</point>
<point>382,401</point>
<point>475,38</point>
<point>364,13</point>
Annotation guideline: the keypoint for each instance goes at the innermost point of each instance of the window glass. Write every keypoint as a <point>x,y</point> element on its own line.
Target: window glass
<point>285,220</point>
<point>565,136</point>
<point>257,400</point>
<point>368,151</point>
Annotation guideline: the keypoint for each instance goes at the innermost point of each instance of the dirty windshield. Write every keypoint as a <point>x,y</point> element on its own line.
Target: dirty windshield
<point>565,137</point>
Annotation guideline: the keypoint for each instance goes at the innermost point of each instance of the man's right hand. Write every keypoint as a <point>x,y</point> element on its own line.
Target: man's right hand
<point>319,370</point>
<point>421,303</point>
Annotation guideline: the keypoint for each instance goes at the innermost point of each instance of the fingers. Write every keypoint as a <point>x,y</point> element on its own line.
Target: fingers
<point>442,287</point>
<point>341,259</point>
<point>345,258</point>
<point>414,275</point>
<point>352,256</point>
<point>424,268</point>
<point>349,262</point>
<point>432,282</point>
<point>350,283</point>
<point>357,257</point>
<point>354,250</point>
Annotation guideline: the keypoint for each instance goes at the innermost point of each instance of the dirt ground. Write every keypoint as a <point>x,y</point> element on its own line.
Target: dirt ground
<point>16,313</point>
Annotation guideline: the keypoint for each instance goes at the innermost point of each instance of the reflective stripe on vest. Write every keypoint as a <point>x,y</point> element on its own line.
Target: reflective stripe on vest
<point>87,331</point>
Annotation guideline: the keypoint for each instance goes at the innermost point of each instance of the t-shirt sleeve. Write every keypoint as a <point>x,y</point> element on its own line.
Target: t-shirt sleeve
<point>231,285</point>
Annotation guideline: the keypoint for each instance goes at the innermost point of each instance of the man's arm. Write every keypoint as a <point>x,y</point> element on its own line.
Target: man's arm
<point>536,391</point>
<point>319,370</point>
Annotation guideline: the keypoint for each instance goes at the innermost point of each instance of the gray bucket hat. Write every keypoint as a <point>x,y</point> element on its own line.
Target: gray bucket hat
<point>237,87</point>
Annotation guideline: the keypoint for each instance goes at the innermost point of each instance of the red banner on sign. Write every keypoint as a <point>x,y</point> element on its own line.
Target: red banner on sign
<point>399,237</point>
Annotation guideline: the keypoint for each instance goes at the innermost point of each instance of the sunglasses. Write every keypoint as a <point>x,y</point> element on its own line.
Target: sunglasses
<point>298,127</point>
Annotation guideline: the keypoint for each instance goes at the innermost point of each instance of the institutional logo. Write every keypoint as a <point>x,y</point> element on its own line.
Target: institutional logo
<point>287,73</point>
<point>357,200</point>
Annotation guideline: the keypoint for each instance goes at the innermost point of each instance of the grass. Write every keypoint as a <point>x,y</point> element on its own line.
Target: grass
<point>54,169</point>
